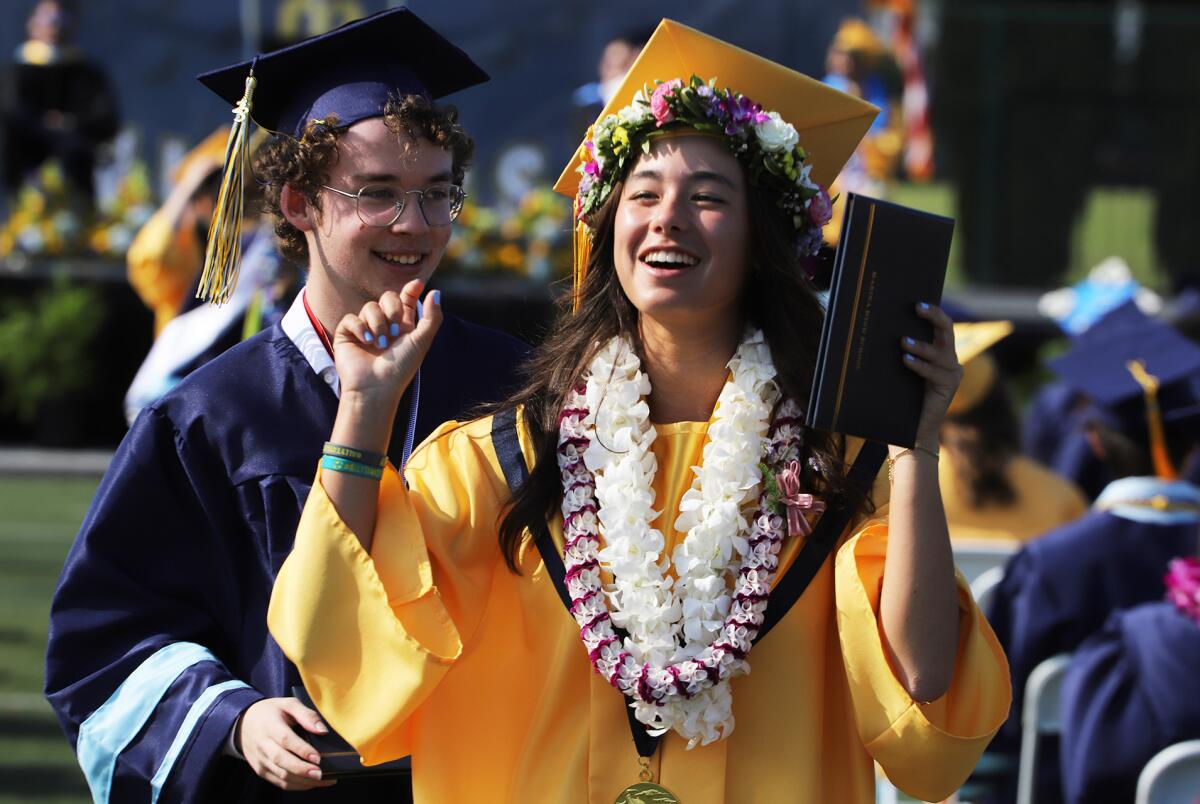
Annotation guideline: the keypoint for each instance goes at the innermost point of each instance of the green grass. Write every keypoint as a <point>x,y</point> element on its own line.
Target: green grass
<point>38,521</point>
<point>1112,222</point>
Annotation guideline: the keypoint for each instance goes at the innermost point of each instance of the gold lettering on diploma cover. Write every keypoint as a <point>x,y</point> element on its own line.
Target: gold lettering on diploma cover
<point>862,269</point>
<point>862,331</point>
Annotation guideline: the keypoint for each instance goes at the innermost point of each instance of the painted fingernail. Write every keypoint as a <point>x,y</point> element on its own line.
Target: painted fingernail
<point>909,358</point>
<point>368,337</point>
<point>395,330</point>
<point>909,342</point>
<point>923,306</point>
<point>437,297</point>
<point>383,341</point>
<point>315,774</point>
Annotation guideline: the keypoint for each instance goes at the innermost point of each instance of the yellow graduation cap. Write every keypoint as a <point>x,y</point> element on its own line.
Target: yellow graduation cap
<point>854,34</point>
<point>971,341</point>
<point>829,123</point>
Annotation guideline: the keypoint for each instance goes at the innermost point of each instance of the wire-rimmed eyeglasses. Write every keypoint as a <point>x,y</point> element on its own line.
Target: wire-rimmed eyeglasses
<point>382,205</point>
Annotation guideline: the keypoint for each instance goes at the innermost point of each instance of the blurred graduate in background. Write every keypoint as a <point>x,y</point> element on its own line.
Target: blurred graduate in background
<point>857,63</point>
<point>55,103</point>
<point>1056,419</point>
<point>1144,421</point>
<point>990,491</point>
<point>1129,692</point>
<point>165,263</point>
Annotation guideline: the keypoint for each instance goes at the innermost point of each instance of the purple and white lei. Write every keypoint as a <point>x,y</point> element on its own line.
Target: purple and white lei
<point>688,638</point>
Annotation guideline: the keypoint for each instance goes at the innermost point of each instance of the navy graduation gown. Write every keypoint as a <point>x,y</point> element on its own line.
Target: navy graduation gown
<point>158,632</point>
<point>1129,692</point>
<point>1053,434</point>
<point>1059,589</point>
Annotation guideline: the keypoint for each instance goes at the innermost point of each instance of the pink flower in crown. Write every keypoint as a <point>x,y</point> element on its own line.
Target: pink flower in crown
<point>658,101</point>
<point>820,208</point>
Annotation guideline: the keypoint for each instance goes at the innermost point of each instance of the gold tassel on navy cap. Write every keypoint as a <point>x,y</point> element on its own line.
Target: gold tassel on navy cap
<point>1163,468</point>
<point>223,256</point>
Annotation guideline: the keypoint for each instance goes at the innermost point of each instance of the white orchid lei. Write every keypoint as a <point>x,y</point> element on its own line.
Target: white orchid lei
<point>686,640</point>
<point>767,145</point>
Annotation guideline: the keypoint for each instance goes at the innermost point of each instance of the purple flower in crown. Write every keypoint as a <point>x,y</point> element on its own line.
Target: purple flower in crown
<point>592,169</point>
<point>743,112</point>
<point>809,242</point>
<point>820,208</point>
<point>658,101</point>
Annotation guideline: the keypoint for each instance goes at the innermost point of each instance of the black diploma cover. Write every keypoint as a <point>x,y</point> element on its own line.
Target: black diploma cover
<point>339,760</point>
<point>889,258</point>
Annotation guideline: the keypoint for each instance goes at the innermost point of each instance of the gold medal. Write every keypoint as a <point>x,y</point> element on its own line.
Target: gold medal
<point>646,791</point>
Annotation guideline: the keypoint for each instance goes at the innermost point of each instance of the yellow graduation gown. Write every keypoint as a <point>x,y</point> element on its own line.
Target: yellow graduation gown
<point>1044,500</point>
<point>431,646</point>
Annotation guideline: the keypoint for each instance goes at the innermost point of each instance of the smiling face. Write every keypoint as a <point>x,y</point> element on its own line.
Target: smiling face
<point>682,233</point>
<point>360,261</point>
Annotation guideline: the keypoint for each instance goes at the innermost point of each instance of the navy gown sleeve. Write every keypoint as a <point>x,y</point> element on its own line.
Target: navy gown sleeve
<point>134,666</point>
<point>1032,623</point>
<point>1126,696</point>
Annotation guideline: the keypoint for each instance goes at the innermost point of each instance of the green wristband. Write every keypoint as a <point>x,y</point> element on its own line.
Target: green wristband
<point>352,454</point>
<point>349,467</point>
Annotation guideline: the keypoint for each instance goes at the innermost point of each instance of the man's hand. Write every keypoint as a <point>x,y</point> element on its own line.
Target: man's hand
<point>275,752</point>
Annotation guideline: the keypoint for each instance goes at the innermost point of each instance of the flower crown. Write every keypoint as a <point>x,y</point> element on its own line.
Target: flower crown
<point>767,145</point>
<point>1183,586</point>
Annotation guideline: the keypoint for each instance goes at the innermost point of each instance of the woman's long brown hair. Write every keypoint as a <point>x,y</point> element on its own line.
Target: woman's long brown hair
<point>776,298</point>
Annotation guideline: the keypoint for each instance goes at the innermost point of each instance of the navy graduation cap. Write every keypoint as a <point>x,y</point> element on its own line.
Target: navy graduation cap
<point>1140,373</point>
<point>349,72</point>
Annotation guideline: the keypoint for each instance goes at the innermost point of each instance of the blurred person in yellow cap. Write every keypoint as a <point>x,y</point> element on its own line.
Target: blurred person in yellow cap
<point>670,511</point>
<point>167,253</point>
<point>990,491</point>
<point>858,63</point>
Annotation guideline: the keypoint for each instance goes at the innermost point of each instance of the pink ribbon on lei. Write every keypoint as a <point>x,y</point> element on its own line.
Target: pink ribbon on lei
<point>795,502</point>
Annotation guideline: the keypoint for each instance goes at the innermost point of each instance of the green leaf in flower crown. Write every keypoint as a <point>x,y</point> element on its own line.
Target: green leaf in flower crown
<point>692,102</point>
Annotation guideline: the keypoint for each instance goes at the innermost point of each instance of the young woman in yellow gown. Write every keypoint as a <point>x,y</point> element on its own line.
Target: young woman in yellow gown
<point>659,425</point>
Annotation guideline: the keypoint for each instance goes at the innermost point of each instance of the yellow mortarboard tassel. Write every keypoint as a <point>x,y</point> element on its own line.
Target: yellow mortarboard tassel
<point>223,256</point>
<point>582,252</point>
<point>1163,468</point>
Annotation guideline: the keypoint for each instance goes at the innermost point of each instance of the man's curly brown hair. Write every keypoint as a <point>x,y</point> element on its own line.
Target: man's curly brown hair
<point>305,163</point>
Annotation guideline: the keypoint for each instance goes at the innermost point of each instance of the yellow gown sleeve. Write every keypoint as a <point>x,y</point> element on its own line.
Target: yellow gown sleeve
<point>373,635</point>
<point>161,262</point>
<point>926,749</point>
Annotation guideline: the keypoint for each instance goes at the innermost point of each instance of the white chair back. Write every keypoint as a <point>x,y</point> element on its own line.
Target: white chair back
<point>983,588</point>
<point>973,557</point>
<point>1172,776</point>
<point>1039,715</point>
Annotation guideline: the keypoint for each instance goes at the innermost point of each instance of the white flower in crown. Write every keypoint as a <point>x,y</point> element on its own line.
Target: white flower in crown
<point>776,134</point>
<point>637,112</point>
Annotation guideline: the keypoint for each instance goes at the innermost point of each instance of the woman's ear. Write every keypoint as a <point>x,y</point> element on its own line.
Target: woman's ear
<point>296,209</point>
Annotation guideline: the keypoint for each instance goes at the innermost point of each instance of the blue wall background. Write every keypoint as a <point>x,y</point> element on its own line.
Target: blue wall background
<point>537,51</point>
